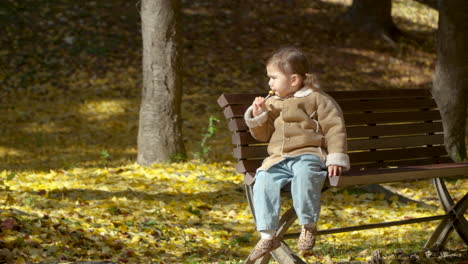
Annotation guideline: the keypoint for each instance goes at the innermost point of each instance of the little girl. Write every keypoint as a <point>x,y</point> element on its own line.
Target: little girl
<point>302,124</point>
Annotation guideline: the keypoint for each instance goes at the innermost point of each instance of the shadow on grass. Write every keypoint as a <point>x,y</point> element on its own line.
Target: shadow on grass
<point>166,197</point>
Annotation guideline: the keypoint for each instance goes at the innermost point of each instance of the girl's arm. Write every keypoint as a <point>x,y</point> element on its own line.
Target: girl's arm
<point>331,121</point>
<point>259,120</point>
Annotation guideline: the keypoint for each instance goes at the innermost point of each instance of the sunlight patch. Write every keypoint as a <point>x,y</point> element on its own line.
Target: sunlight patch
<point>49,127</point>
<point>339,2</point>
<point>103,109</point>
<point>408,9</point>
<point>5,151</point>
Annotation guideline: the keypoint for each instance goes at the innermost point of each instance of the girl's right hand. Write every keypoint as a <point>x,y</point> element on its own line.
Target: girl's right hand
<point>258,106</point>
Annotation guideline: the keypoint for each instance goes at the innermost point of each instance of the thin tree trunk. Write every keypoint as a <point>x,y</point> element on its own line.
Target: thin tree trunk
<point>159,134</point>
<point>373,17</point>
<point>451,75</point>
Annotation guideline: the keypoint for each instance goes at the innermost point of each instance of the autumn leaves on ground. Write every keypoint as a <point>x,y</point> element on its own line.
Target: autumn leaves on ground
<point>70,84</point>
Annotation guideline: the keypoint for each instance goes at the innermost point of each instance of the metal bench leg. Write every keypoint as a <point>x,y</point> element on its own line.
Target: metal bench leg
<point>249,195</point>
<point>456,220</point>
<point>283,254</point>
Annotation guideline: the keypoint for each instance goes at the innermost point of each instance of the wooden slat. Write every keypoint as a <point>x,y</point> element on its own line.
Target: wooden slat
<point>233,111</point>
<point>248,165</point>
<point>395,142</point>
<point>377,176</point>
<point>233,99</point>
<point>249,178</point>
<point>385,104</point>
<point>404,163</point>
<point>361,119</point>
<point>252,165</point>
<point>370,94</point>
<point>399,117</point>
<point>237,124</point>
<point>244,138</point>
<point>388,130</point>
<point>397,154</point>
<point>223,101</point>
<point>250,152</point>
<point>412,154</point>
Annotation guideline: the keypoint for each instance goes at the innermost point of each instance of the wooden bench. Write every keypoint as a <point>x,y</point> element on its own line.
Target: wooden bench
<point>393,136</point>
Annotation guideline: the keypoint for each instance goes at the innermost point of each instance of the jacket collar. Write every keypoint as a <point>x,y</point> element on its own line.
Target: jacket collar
<point>303,92</point>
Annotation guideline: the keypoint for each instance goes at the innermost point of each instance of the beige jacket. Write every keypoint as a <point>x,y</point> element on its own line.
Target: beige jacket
<point>310,122</point>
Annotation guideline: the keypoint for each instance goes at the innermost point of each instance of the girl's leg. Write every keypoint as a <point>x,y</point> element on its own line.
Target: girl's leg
<point>309,175</point>
<point>266,196</point>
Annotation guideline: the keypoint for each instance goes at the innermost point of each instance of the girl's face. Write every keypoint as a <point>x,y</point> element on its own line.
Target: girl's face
<point>279,82</point>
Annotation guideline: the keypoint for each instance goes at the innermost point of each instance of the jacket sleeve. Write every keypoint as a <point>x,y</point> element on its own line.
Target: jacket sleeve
<point>261,127</point>
<point>332,122</point>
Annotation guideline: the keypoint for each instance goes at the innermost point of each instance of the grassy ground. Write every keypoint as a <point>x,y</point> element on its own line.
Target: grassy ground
<point>188,213</point>
<point>70,83</point>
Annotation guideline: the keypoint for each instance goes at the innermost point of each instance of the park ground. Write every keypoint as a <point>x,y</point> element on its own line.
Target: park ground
<point>70,77</point>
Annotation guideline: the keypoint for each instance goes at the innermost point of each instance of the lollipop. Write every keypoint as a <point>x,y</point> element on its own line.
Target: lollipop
<point>270,93</point>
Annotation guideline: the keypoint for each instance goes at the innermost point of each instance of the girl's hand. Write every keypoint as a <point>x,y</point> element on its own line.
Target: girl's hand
<point>334,170</point>
<point>258,106</point>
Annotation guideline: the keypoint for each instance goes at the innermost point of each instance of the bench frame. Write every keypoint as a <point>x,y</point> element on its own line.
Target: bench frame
<point>383,126</point>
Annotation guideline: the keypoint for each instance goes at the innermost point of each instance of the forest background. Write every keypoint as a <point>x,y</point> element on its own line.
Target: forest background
<point>70,84</point>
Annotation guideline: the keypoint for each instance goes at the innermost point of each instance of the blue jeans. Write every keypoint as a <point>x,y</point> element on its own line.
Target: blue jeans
<point>306,173</point>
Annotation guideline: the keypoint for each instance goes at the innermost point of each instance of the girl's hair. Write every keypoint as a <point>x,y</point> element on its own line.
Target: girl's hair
<point>291,60</point>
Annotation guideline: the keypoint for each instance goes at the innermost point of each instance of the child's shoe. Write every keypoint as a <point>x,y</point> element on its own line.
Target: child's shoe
<point>263,247</point>
<point>307,238</point>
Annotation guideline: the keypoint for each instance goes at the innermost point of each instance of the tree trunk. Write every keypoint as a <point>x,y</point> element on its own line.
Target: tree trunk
<point>159,133</point>
<point>451,75</point>
<point>373,17</point>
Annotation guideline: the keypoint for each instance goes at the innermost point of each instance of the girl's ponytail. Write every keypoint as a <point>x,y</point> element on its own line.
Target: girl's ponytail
<point>310,81</point>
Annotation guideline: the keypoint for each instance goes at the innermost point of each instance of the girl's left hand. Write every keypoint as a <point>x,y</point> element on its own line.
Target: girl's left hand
<point>334,170</point>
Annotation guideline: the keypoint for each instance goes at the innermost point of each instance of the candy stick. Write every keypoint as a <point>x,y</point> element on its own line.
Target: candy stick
<point>270,93</point>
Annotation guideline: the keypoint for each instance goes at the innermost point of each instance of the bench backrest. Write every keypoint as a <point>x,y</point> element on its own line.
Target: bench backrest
<point>385,128</point>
